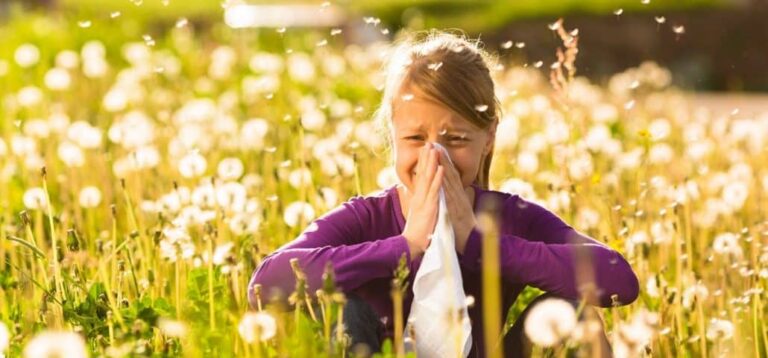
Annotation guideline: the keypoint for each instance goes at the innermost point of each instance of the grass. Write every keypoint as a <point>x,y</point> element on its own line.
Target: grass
<point>678,191</point>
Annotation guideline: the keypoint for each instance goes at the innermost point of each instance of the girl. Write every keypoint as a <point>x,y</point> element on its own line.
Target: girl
<point>439,89</point>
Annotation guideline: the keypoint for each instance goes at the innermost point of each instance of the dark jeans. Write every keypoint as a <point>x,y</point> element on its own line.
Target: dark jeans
<point>366,331</point>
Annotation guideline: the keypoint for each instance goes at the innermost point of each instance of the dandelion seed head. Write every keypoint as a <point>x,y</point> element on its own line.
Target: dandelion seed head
<point>298,211</point>
<point>5,337</point>
<point>257,326</point>
<point>550,321</point>
<point>230,168</point>
<point>56,344</point>
<point>172,328</point>
<point>26,55</point>
<point>719,329</point>
<point>192,165</point>
<point>507,45</point>
<point>35,199</point>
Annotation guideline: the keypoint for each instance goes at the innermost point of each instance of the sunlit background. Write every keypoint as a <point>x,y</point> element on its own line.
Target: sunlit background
<point>152,152</point>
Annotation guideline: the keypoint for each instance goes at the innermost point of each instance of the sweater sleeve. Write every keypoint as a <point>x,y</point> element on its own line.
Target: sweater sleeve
<point>337,237</point>
<point>548,254</point>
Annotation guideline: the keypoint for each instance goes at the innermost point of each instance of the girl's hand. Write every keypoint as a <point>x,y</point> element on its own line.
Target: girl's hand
<point>423,204</point>
<point>457,199</point>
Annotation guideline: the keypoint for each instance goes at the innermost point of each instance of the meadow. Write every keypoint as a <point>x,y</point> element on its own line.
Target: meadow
<point>144,174</point>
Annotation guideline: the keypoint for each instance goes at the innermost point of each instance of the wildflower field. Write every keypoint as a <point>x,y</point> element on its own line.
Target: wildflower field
<point>145,172</point>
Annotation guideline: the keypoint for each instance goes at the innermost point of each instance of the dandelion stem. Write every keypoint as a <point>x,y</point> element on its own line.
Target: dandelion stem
<point>491,285</point>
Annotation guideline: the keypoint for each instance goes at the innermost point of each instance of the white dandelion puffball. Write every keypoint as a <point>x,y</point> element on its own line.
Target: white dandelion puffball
<point>56,344</point>
<point>172,327</point>
<point>71,154</point>
<point>57,79</point>
<point>300,177</point>
<point>297,211</point>
<point>387,177</point>
<point>550,321</point>
<point>5,337</point>
<point>727,244</point>
<point>192,165</point>
<point>90,197</point>
<point>257,326</point>
<point>27,55</point>
<point>34,199</point>
<point>230,168</point>
<point>719,329</point>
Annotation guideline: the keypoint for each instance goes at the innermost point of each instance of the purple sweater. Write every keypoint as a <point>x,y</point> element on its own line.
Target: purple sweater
<point>363,239</point>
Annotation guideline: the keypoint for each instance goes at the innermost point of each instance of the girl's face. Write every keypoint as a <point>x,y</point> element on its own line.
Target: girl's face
<point>417,119</point>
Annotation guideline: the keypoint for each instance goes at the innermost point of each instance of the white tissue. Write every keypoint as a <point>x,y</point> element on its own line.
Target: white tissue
<point>438,295</point>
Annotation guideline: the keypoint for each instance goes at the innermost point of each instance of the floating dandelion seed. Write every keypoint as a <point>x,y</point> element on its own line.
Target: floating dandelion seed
<point>335,32</point>
<point>322,43</point>
<point>137,2</point>
<point>481,107</point>
<point>538,64</point>
<point>165,2</point>
<point>520,44</point>
<point>678,29</point>
<point>554,26</point>
<point>507,45</point>
<point>735,111</point>
<point>272,198</point>
<point>660,19</point>
<point>270,149</point>
<point>635,84</point>
<point>407,97</point>
<point>385,32</point>
<point>148,40</point>
<point>645,2</point>
<point>629,105</point>
<point>281,30</point>
<point>574,33</point>
<point>372,20</point>
<point>84,24</point>
<point>182,22</point>
<point>618,12</point>
<point>443,131</point>
<point>435,66</point>
<point>325,4</point>
<point>555,65</point>
<point>114,14</point>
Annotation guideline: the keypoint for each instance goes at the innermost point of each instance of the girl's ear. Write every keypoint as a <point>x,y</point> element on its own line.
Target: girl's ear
<point>491,138</point>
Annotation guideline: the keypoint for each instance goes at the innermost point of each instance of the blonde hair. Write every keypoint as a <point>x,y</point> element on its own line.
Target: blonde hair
<point>452,70</point>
